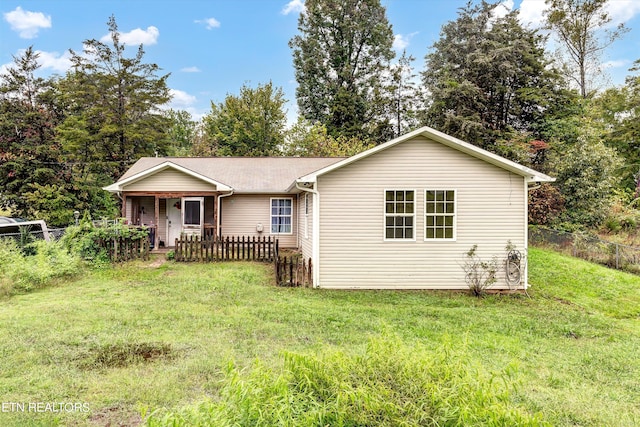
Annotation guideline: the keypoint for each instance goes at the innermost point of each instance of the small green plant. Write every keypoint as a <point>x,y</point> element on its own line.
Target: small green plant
<point>478,273</point>
<point>20,272</point>
<point>171,255</point>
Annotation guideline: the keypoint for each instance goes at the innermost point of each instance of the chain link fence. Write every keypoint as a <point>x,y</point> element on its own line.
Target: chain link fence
<point>588,247</point>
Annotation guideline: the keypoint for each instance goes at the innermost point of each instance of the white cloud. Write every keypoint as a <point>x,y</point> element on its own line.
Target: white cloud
<point>55,61</point>
<point>615,64</point>
<point>137,36</point>
<point>502,9</point>
<point>294,6</point>
<point>211,23</point>
<point>401,41</point>
<point>622,10</point>
<point>191,70</point>
<point>531,13</point>
<point>181,99</point>
<point>47,60</point>
<point>27,23</point>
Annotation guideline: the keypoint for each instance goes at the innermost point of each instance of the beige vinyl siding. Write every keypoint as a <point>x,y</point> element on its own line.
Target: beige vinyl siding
<point>241,213</point>
<point>170,180</point>
<point>490,211</point>
<point>306,239</point>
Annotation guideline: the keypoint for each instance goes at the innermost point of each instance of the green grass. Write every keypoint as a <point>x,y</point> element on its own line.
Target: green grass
<point>141,337</point>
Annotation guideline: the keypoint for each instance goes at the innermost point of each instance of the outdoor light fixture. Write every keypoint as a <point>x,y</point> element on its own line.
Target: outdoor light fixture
<point>76,215</point>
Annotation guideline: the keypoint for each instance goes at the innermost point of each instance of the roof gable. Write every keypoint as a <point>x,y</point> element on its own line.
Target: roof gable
<point>146,173</point>
<point>240,174</point>
<point>530,175</point>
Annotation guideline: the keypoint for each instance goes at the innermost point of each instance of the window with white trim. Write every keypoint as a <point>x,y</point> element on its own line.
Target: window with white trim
<point>281,216</point>
<point>399,214</point>
<point>440,215</point>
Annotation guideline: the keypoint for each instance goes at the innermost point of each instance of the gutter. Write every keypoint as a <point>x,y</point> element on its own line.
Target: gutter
<point>220,210</point>
<point>315,252</point>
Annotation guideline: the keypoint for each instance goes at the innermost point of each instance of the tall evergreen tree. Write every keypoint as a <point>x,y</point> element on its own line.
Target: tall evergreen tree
<point>113,109</point>
<point>341,55</point>
<point>29,153</point>
<point>251,124</point>
<point>488,77</point>
<point>581,26</point>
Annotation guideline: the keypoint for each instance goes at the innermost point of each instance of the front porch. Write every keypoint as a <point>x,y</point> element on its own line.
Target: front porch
<point>172,215</point>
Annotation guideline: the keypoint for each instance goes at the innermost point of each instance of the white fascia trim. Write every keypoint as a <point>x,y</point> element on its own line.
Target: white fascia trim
<point>530,175</point>
<point>113,188</point>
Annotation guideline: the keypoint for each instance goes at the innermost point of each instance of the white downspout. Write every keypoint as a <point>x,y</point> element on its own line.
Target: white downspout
<point>315,252</point>
<point>219,222</point>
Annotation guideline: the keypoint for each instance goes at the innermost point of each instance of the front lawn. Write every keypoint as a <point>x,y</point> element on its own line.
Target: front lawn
<point>140,337</point>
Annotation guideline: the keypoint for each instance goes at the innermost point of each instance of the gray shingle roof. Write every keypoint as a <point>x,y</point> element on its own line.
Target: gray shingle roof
<point>243,174</point>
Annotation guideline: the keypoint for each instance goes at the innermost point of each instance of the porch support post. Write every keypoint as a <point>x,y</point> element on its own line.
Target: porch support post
<point>123,210</point>
<point>156,222</point>
<point>215,215</point>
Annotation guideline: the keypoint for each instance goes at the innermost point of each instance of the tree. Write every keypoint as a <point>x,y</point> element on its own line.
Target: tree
<point>340,57</point>
<point>404,95</point>
<point>619,109</point>
<point>183,132</point>
<point>581,27</point>
<point>488,77</point>
<point>586,173</point>
<point>307,140</point>
<point>251,124</point>
<point>112,102</point>
<point>29,153</point>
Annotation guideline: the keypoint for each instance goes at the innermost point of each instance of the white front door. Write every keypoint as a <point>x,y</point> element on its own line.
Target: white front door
<point>174,221</point>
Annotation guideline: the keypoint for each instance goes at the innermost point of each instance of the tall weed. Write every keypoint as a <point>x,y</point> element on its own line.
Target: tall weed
<point>392,384</point>
<point>20,272</point>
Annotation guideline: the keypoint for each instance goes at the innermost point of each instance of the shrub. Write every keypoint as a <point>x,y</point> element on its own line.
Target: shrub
<point>23,273</point>
<point>391,384</point>
<point>478,273</point>
<point>85,239</point>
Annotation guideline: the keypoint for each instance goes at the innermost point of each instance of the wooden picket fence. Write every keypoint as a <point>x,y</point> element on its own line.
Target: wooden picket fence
<point>125,249</point>
<point>294,271</point>
<point>226,248</point>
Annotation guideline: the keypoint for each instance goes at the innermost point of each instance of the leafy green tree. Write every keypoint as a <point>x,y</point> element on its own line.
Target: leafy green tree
<point>313,140</point>
<point>183,132</point>
<point>488,78</point>
<point>29,153</point>
<point>250,124</point>
<point>619,109</point>
<point>581,26</point>
<point>112,103</point>
<point>587,174</point>
<point>341,55</point>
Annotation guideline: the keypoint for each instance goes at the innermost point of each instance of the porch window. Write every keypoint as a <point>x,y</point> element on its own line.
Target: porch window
<point>440,215</point>
<point>399,214</point>
<point>281,215</point>
<point>192,212</point>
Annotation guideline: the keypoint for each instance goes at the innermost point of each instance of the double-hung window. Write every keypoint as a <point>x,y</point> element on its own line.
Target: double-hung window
<point>281,216</point>
<point>399,214</point>
<point>440,215</point>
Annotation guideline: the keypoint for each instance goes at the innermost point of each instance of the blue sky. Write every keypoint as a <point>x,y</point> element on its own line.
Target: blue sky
<point>211,48</point>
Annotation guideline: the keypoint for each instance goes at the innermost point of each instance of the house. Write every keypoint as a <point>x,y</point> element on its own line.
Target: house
<point>398,216</point>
